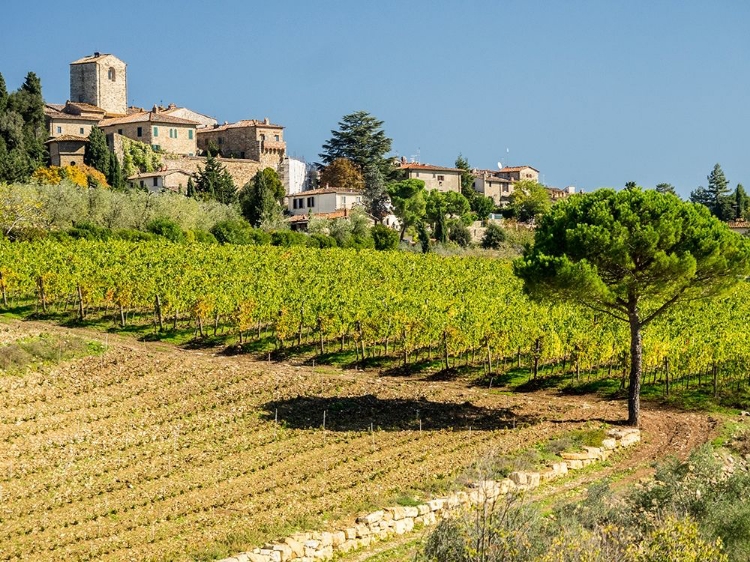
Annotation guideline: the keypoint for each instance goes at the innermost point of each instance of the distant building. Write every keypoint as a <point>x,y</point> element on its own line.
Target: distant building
<point>294,175</point>
<point>434,177</point>
<point>185,113</point>
<point>71,118</point>
<point>489,184</point>
<point>162,131</point>
<point>248,139</point>
<point>100,80</point>
<point>66,150</point>
<point>518,173</point>
<point>163,180</point>
<point>330,202</point>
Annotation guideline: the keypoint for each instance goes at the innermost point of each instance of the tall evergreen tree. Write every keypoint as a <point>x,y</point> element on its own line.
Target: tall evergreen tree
<point>260,198</point>
<point>114,175</point>
<point>467,178</point>
<point>3,94</point>
<point>361,139</point>
<point>741,204</point>
<point>214,182</point>
<point>716,190</point>
<point>97,152</point>
<point>666,188</point>
<point>376,199</point>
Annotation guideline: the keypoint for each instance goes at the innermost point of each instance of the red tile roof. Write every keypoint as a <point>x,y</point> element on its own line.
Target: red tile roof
<point>517,168</point>
<point>67,138</point>
<point>415,166</point>
<point>146,117</point>
<point>239,125</point>
<point>323,190</point>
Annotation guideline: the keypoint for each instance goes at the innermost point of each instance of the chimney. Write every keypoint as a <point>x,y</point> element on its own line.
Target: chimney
<point>171,106</point>
<point>266,121</point>
<point>155,109</point>
<point>97,53</point>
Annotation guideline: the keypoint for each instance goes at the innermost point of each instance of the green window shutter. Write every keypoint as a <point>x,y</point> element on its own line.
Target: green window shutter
<point>190,134</point>
<point>156,131</point>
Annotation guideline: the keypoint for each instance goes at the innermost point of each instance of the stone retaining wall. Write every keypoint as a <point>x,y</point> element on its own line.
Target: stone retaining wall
<point>385,523</point>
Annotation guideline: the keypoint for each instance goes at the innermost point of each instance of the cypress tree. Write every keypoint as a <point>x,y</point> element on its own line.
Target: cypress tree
<point>97,152</point>
<point>114,177</point>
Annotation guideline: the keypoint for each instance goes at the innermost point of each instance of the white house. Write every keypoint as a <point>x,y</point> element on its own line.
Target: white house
<point>329,202</point>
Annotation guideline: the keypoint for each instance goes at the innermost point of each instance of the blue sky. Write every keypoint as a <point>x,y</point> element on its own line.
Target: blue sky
<point>592,93</point>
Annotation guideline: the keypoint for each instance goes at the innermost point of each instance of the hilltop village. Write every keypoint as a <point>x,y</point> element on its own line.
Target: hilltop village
<point>98,98</point>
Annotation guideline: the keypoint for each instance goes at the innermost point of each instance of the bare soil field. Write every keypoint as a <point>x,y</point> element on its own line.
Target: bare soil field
<point>153,452</point>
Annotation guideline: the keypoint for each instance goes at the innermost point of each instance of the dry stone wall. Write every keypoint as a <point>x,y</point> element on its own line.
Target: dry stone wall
<point>385,523</point>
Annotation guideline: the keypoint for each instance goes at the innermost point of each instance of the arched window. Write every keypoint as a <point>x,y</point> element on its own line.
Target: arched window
<point>111,74</point>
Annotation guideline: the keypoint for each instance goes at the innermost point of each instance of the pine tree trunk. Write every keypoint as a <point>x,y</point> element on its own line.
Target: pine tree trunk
<point>636,368</point>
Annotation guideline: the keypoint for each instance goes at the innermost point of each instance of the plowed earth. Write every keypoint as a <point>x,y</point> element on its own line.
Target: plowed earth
<point>152,452</point>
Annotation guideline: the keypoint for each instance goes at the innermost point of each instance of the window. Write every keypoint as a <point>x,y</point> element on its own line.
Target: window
<point>172,133</point>
<point>276,138</point>
<point>140,131</point>
<point>262,138</point>
<point>190,134</point>
<point>81,130</point>
<point>311,201</point>
<point>111,74</point>
<point>119,131</point>
<point>59,130</point>
<point>221,140</point>
<point>242,154</point>
<point>156,147</point>
<point>142,184</point>
<point>156,131</point>
<point>156,181</point>
<point>441,178</point>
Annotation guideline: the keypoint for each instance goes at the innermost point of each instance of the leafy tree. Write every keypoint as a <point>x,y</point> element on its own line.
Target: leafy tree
<point>260,198</point>
<point>385,238</point>
<point>214,182</point>
<point>482,206</point>
<point>666,188</point>
<point>361,139</point>
<point>529,200</point>
<point>190,187</point>
<point>97,152</point>
<point>376,200</point>
<point>630,185</point>
<point>409,203</point>
<point>423,236</point>
<point>467,178</point>
<point>342,173</point>
<point>436,209</point>
<point>700,196</point>
<point>493,238</point>
<point>631,255</point>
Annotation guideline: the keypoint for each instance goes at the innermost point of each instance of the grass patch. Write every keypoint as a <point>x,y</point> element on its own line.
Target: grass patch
<point>45,349</point>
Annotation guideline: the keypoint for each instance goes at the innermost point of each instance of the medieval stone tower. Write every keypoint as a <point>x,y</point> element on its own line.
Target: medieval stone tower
<point>100,80</point>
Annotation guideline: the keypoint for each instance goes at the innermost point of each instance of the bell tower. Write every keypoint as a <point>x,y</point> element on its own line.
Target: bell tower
<point>100,80</point>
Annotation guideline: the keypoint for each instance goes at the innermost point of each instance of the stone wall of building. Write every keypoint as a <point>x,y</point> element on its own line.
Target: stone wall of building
<point>251,141</point>
<point>62,126</point>
<point>101,82</point>
<point>242,171</point>
<point>156,134</point>
<point>398,520</point>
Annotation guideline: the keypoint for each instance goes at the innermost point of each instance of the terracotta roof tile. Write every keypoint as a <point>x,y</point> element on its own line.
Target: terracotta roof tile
<point>323,190</point>
<point>146,117</point>
<point>92,58</point>
<point>517,168</point>
<point>66,138</point>
<point>415,166</point>
<point>239,125</point>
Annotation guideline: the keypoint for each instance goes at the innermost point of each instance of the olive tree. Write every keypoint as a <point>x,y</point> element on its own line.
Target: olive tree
<point>632,255</point>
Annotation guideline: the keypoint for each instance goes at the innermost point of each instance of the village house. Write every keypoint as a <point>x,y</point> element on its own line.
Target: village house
<point>162,180</point>
<point>247,139</point>
<point>434,177</point>
<point>66,150</point>
<point>489,184</point>
<point>518,173</point>
<point>162,131</point>
<point>328,202</point>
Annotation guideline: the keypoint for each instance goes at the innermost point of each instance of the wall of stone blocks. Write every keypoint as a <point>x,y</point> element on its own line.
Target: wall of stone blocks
<point>385,523</point>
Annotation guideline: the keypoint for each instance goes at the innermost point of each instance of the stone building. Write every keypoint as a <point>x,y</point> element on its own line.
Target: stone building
<point>169,180</point>
<point>200,119</point>
<point>100,80</point>
<point>518,173</point>
<point>71,118</point>
<point>248,139</point>
<point>65,150</point>
<point>434,177</point>
<point>489,184</point>
<point>162,131</point>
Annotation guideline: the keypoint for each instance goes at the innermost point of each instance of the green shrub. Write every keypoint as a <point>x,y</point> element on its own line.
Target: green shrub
<point>132,235</point>
<point>459,234</point>
<point>493,237</point>
<point>166,228</point>
<point>201,237</point>
<point>239,232</point>
<point>288,238</point>
<point>384,238</point>
<point>89,231</point>
<point>321,241</point>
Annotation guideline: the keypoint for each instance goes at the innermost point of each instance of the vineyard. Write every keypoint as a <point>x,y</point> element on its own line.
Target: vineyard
<point>413,308</point>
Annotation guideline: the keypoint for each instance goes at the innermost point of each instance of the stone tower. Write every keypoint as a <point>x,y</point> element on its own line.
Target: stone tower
<point>100,80</point>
